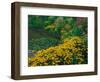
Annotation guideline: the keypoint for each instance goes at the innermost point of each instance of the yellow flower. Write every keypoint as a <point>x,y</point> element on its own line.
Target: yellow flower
<point>61,54</point>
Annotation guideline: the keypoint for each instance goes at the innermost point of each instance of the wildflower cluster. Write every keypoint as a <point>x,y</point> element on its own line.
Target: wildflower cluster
<point>71,51</point>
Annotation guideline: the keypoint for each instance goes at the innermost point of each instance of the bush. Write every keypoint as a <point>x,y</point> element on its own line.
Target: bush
<point>76,31</point>
<point>42,43</point>
<point>72,51</point>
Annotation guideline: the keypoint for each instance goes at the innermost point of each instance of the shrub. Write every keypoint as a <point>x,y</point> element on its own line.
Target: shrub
<point>72,51</point>
<point>42,43</point>
<point>76,31</point>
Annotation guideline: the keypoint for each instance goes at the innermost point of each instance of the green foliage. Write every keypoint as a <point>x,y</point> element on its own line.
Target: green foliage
<point>84,26</point>
<point>71,21</point>
<point>55,25</point>
<point>73,32</point>
<point>60,26</point>
<point>42,43</point>
<point>57,40</point>
<point>35,22</point>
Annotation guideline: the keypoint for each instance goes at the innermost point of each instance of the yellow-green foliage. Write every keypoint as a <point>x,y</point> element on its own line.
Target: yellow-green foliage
<point>69,52</point>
